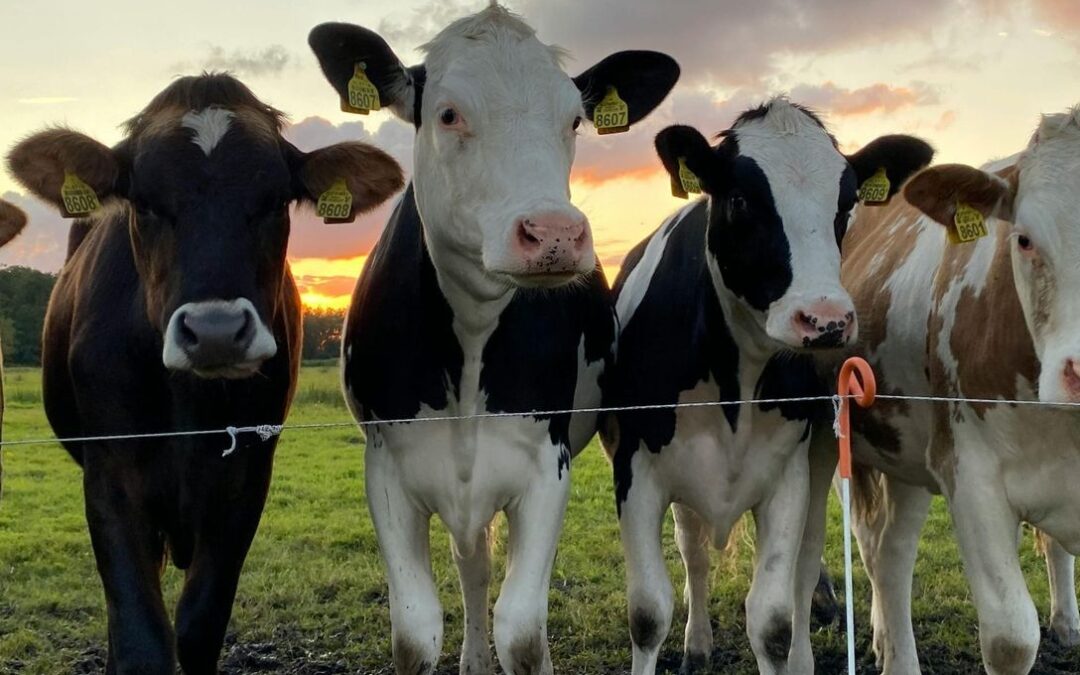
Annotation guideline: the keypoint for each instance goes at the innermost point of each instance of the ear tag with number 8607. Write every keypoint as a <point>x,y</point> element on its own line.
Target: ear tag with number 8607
<point>611,115</point>
<point>363,96</point>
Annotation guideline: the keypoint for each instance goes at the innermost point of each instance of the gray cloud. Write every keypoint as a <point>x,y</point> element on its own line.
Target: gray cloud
<point>272,60</point>
<point>43,243</point>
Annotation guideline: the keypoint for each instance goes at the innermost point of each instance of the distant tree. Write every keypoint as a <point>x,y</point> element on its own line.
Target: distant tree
<point>24,296</point>
<point>322,333</point>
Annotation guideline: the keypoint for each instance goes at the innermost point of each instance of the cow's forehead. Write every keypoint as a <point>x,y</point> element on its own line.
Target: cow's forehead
<point>1049,173</point>
<point>494,43</point>
<point>803,165</point>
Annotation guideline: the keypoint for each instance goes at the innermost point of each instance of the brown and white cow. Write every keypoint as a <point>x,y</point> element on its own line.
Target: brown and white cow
<point>997,318</point>
<point>176,311</point>
<point>12,221</point>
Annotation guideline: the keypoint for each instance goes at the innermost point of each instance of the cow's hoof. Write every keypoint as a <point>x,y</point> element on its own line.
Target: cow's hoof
<point>693,663</point>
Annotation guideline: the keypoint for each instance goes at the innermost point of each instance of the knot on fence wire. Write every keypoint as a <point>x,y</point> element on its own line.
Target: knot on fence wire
<point>836,426</point>
<point>265,431</point>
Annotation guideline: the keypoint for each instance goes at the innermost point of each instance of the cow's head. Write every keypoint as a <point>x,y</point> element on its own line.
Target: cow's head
<point>780,194</point>
<point>12,221</point>
<point>1040,199</point>
<point>206,180</point>
<point>496,120</point>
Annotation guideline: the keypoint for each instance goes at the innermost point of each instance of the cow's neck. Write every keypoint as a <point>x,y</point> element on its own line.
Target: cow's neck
<point>755,346</point>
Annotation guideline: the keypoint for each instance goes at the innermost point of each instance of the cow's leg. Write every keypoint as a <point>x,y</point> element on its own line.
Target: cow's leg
<point>986,527</point>
<point>129,551</point>
<point>534,521</point>
<point>649,593</point>
<point>222,543</point>
<point>811,569</point>
<point>780,519</point>
<point>1060,565</point>
<point>888,545</point>
<point>692,536</point>
<point>474,573</point>
<point>403,531</point>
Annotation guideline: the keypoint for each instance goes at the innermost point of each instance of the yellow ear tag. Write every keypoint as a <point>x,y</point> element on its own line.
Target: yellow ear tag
<point>968,225</point>
<point>363,96</point>
<point>875,189</point>
<point>335,205</point>
<point>687,183</point>
<point>78,198</point>
<point>611,115</point>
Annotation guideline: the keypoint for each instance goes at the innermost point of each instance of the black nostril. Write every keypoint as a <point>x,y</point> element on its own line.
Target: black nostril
<point>187,335</point>
<point>247,329</point>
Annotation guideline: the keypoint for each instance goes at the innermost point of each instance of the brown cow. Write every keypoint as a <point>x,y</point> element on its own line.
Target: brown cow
<point>12,221</point>
<point>176,311</point>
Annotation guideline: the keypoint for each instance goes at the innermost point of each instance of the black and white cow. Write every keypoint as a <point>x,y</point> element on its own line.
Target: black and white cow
<point>482,296</point>
<point>725,301</point>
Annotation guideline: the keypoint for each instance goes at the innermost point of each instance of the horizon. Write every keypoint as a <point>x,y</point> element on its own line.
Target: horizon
<point>969,76</point>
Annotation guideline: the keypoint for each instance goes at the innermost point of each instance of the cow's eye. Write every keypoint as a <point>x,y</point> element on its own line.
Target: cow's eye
<point>737,204</point>
<point>449,117</point>
<point>1025,244</point>
<point>577,122</point>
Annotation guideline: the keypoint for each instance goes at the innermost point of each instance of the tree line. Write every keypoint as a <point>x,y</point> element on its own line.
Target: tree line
<point>24,296</point>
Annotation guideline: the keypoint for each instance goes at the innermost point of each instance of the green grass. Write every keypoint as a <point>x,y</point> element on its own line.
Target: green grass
<point>312,597</point>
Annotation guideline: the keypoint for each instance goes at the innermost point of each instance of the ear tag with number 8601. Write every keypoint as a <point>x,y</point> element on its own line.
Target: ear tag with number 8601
<point>968,225</point>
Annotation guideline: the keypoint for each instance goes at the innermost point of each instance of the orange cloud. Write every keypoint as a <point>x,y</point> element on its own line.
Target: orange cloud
<point>878,97</point>
<point>327,283</point>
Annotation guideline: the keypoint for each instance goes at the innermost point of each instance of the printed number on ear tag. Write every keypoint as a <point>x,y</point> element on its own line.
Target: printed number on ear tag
<point>335,205</point>
<point>78,198</point>
<point>687,182</point>
<point>611,115</point>
<point>968,225</point>
<point>875,189</point>
<point>363,96</point>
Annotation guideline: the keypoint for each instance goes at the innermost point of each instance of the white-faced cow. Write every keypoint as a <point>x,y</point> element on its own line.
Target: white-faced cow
<point>997,318</point>
<point>176,311</point>
<point>726,301</point>
<point>12,221</point>
<point>482,296</point>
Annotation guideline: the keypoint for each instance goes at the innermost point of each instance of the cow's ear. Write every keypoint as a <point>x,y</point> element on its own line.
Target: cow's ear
<point>45,161</point>
<point>686,143</point>
<point>641,78</point>
<point>899,155</point>
<point>342,47</point>
<point>367,174</point>
<point>12,221</point>
<point>937,191</point>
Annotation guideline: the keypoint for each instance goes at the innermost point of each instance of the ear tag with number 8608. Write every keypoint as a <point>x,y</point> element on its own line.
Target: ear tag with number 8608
<point>78,198</point>
<point>335,205</point>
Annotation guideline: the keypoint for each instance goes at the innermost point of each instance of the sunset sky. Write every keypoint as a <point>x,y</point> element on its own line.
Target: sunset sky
<point>970,76</point>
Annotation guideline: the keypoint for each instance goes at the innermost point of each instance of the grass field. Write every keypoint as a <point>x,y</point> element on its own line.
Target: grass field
<point>312,598</point>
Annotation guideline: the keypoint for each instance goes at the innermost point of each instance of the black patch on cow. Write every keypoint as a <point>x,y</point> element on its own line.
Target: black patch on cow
<point>777,638</point>
<point>845,201</point>
<point>404,352</point>
<point>399,330</point>
<point>531,360</point>
<point>644,629</point>
<point>675,339</point>
<point>791,375</point>
<point>746,235</point>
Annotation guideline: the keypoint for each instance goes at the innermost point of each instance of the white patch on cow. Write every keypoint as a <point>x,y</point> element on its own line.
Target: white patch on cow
<point>210,126</point>
<point>472,186</point>
<point>640,278</point>
<point>262,346</point>
<point>803,168</point>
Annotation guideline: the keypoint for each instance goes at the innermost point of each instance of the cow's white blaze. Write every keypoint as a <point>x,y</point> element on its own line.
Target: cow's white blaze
<point>804,169</point>
<point>210,126</point>
<point>495,147</point>
<point>1047,280</point>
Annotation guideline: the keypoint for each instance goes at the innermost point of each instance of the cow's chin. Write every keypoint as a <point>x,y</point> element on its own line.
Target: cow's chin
<point>238,371</point>
<point>545,280</point>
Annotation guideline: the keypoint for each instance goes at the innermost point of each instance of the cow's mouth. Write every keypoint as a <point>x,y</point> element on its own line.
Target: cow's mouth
<point>543,279</point>
<point>232,371</point>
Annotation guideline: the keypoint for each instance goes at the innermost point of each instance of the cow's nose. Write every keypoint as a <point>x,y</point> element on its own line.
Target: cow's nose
<point>552,242</point>
<point>824,324</point>
<point>215,335</point>
<point>1070,378</point>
